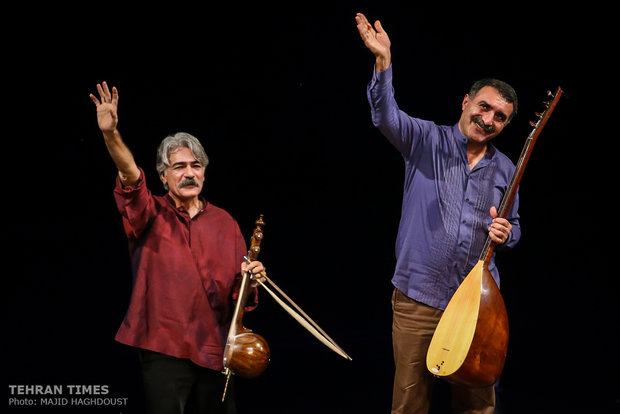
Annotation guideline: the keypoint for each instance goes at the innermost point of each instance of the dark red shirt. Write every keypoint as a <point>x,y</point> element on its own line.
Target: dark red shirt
<point>184,271</point>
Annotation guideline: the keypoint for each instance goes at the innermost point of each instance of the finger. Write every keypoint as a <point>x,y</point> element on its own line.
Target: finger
<point>502,222</point>
<point>493,212</point>
<point>496,236</point>
<point>496,239</point>
<point>499,234</point>
<point>114,95</point>
<point>364,29</point>
<point>106,91</point>
<point>363,26</point>
<point>361,19</point>
<point>100,92</point>
<point>94,99</point>
<point>379,27</point>
<point>499,229</point>
<point>254,265</point>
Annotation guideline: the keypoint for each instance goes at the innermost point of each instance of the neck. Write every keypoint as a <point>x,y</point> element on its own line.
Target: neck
<point>191,205</point>
<point>475,152</point>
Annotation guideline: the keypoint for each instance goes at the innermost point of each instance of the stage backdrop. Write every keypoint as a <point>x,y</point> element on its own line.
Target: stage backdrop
<point>277,95</point>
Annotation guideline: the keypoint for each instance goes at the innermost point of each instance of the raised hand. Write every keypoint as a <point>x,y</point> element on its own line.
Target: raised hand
<point>107,107</point>
<point>376,40</point>
<point>107,118</point>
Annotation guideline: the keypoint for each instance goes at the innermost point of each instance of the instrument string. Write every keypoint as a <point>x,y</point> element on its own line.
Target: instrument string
<point>305,321</point>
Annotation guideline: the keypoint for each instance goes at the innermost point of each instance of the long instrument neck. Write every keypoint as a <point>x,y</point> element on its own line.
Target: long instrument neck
<point>246,284</point>
<point>237,319</point>
<point>504,207</point>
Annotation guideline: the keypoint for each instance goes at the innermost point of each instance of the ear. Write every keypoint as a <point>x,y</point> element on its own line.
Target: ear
<point>163,179</point>
<point>465,102</point>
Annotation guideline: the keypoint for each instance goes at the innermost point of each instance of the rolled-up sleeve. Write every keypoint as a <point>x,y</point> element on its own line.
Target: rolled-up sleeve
<point>136,205</point>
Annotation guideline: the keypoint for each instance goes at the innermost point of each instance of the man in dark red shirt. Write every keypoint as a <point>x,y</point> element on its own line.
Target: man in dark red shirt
<point>186,255</point>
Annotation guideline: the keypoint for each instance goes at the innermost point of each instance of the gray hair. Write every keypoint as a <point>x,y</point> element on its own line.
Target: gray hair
<point>175,141</point>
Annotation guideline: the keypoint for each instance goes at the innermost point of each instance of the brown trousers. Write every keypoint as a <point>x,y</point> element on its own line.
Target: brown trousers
<point>412,329</point>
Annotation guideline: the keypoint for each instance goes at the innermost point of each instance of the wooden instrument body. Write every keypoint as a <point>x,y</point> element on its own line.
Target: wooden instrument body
<point>247,354</point>
<point>471,340</point>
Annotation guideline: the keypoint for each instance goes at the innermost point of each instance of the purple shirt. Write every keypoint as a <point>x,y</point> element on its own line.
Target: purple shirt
<point>445,210</point>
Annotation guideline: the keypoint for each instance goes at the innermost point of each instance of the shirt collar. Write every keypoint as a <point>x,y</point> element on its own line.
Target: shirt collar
<point>181,209</point>
<point>488,156</point>
<point>458,134</point>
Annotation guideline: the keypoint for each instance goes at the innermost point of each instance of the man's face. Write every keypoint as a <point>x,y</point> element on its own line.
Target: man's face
<point>484,115</point>
<point>185,175</point>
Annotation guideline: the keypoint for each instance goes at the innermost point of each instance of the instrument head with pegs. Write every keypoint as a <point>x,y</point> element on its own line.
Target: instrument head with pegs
<point>549,105</point>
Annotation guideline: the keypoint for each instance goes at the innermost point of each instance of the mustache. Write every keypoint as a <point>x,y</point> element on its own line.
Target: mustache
<point>188,181</point>
<point>478,121</point>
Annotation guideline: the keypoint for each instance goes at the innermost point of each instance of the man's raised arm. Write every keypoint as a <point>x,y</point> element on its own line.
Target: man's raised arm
<point>107,119</point>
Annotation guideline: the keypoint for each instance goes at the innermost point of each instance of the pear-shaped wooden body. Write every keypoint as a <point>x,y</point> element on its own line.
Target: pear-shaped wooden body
<point>470,342</point>
<point>247,355</point>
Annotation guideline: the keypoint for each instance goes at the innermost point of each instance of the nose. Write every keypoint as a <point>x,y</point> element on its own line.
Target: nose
<point>188,172</point>
<point>487,118</point>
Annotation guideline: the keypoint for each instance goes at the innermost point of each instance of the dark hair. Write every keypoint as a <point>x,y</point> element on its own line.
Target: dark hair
<point>506,91</point>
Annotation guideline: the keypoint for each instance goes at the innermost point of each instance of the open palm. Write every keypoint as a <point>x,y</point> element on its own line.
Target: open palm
<point>107,107</point>
<point>375,39</point>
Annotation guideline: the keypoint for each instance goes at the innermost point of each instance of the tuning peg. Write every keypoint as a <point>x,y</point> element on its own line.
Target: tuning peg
<point>538,114</point>
<point>550,94</point>
<point>547,104</point>
<point>532,123</point>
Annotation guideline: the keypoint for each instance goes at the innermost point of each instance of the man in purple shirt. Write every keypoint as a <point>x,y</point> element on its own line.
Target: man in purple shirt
<point>454,178</point>
<point>186,255</point>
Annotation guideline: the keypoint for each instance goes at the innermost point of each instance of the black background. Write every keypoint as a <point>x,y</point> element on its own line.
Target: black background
<point>277,96</point>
